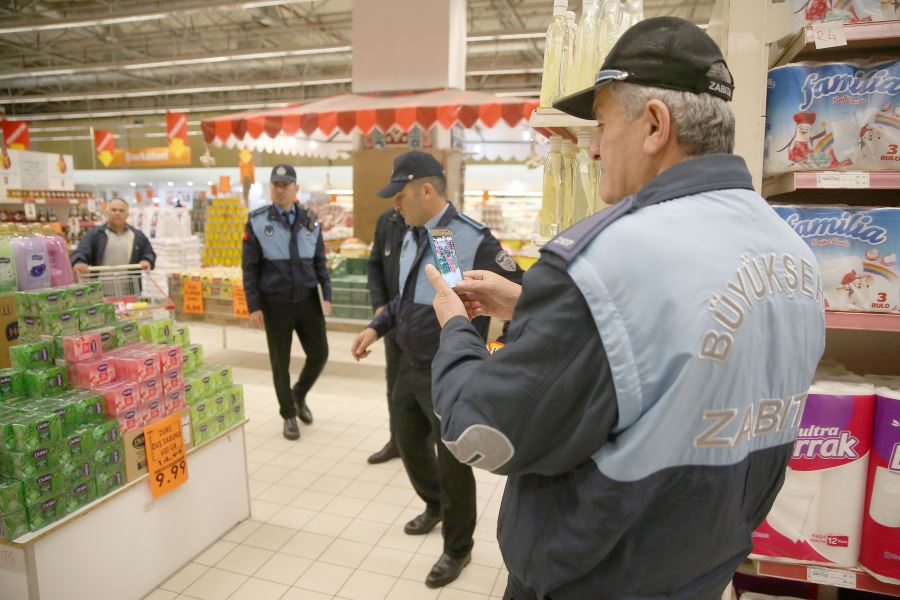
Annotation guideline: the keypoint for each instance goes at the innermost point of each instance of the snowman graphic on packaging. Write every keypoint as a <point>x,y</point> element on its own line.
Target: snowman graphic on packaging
<point>835,116</point>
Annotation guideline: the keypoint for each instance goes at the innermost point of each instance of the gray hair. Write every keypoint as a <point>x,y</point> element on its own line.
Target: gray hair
<point>438,182</point>
<point>704,124</point>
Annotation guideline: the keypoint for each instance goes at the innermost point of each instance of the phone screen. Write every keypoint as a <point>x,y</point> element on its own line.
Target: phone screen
<point>445,258</point>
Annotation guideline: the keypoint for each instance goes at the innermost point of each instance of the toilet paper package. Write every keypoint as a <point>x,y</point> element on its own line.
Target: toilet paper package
<point>807,12</point>
<point>817,516</point>
<point>857,252</point>
<point>833,117</point>
<point>880,552</point>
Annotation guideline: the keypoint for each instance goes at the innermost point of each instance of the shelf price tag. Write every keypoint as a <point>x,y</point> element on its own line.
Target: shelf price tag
<point>845,579</point>
<point>193,297</point>
<point>166,459</point>
<point>829,34</point>
<point>835,179</point>
<point>239,301</point>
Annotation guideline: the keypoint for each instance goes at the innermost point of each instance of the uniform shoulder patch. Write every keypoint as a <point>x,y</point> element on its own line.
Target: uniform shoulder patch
<point>569,244</point>
<point>505,261</point>
<point>470,221</point>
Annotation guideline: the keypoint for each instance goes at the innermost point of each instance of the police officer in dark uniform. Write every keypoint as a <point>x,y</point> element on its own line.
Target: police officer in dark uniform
<point>284,264</point>
<point>384,284</point>
<point>447,487</point>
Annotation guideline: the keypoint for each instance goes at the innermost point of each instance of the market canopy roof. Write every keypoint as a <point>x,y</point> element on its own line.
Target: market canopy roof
<point>323,127</point>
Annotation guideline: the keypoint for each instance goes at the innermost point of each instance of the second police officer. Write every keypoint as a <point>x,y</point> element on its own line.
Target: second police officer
<point>284,264</point>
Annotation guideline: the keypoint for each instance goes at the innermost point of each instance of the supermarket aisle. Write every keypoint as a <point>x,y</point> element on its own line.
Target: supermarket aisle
<point>326,525</point>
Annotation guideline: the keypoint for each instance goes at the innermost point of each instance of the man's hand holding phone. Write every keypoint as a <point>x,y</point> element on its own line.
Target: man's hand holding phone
<point>485,293</point>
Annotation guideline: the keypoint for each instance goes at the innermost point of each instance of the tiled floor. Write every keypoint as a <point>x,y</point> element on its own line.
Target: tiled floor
<point>325,525</point>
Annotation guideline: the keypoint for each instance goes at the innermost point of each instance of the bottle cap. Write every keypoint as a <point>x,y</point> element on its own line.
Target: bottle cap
<point>584,138</point>
<point>560,7</point>
<point>555,143</point>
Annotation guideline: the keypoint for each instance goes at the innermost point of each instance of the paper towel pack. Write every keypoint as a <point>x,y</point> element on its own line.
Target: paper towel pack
<point>832,116</point>
<point>807,12</point>
<point>880,553</point>
<point>857,253</point>
<point>817,516</point>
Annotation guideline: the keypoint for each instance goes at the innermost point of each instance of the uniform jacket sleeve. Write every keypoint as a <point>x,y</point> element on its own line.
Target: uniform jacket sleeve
<point>322,268</point>
<point>385,322</point>
<point>543,404</point>
<point>251,263</point>
<point>375,268</point>
<point>86,249</point>
<point>491,257</point>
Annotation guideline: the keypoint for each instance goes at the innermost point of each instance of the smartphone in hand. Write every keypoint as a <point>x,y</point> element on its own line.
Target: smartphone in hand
<point>445,258</point>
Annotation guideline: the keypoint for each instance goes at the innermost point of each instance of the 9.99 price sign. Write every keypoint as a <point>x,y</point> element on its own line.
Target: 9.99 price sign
<point>166,459</point>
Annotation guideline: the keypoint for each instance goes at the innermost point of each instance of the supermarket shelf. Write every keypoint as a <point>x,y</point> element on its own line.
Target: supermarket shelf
<point>861,321</point>
<point>831,180</point>
<point>882,35</point>
<point>549,121</point>
<point>845,578</point>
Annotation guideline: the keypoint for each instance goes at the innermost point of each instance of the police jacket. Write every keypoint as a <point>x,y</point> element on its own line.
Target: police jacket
<point>645,405</point>
<point>93,245</point>
<point>410,315</point>
<point>384,263</point>
<point>282,263</point>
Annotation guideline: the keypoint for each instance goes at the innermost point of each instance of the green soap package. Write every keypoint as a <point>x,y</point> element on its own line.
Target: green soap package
<point>48,301</point>
<point>108,340</point>
<point>93,293</point>
<point>69,411</point>
<point>76,296</point>
<point>35,429</point>
<point>23,303</point>
<point>235,394</point>
<point>22,465</point>
<point>180,336</point>
<point>91,317</point>
<point>109,479</point>
<point>127,332</point>
<point>12,384</point>
<point>104,432</point>
<point>235,414</point>
<point>77,445</point>
<point>45,382</point>
<point>80,492</point>
<point>93,407</point>
<point>108,454</point>
<point>63,322</point>
<point>202,431</point>
<point>46,511</point>
<point>196,387</point>
<point>157,332</point>
<point>30,327</point>
<point>12,496</point>
<point>43,485</point>
<point>78,466</point>
<point>13,525</point>
<point>33,356</point>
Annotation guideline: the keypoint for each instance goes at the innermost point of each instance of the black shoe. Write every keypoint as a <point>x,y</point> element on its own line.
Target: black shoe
<point>385,454</point>
<point>446,569</point>
<point>302,409</point>
<point>291,430</point>
<point>422,524</point>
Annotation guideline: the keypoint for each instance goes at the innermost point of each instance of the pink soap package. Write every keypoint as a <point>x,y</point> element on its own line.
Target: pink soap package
<point>82,347</point>
<point>131,419</point>
<point>173,379</point>
<point>174,401</point>
<point>119,396</point>
<point>150,389</point>
<point>94,373</point>
<point>136,363</point>
<point>153,410</point>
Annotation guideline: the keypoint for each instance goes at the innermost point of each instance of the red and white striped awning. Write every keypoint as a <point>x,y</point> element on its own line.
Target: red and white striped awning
<point>324,127</point>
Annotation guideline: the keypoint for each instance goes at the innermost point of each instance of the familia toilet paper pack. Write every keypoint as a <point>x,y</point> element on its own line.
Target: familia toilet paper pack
<point>817,516</point>
<point>880,552</point>
<point>833,116</point>
<point>807,12</point>
<point>857,252</point>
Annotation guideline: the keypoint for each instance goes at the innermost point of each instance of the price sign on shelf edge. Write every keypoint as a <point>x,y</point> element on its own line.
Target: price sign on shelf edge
<point>166,459</point>
<point>193,296</point>
<point>845,579</point>
<point>239,301</point>
<point>829,34</point>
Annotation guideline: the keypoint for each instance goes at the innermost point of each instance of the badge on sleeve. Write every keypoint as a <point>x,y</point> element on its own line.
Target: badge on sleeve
<point>505,261</point>
<point>270,231</point>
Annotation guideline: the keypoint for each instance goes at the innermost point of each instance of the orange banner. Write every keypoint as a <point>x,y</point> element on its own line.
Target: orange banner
<point>224,184</point>
<point>105,146</point>
<point>15,135</point>
<point>176,126</point>
<point>166,458</point>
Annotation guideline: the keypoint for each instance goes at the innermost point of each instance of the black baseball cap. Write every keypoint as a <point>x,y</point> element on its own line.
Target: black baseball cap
<point>283,173</point>
<point>409,166</point>
<point>665,52</point>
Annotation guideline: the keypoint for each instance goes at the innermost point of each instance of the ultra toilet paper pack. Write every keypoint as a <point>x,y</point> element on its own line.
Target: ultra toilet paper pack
<point>807,12</point>
<point>857,252</point>
<point>880,551</point>
<point>833,116</point>
<point>817,516</point>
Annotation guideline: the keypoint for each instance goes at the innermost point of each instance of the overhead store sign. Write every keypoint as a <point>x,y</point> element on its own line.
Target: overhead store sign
<point>27,170</point>
<point>150,158</point>
<point>105,146</point>
<point>15,135</point>
<point>177,133</point>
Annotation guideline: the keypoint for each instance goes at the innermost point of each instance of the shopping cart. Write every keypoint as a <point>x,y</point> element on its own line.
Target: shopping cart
<point>133,291</point>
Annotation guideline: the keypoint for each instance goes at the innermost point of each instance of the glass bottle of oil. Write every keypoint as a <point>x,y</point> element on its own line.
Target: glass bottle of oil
<point>584,189</point>
<point>611,25</point>
<point>553,189</point>
<point>588,43</point>
<point>555,55</point>
<point>633,13</point>
<point>571,74</point>
<point>568,156</point>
